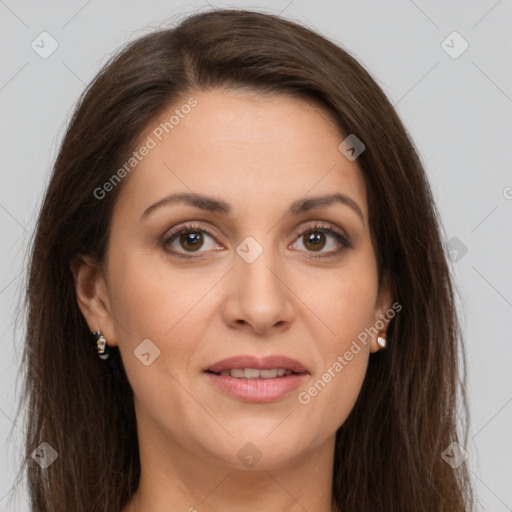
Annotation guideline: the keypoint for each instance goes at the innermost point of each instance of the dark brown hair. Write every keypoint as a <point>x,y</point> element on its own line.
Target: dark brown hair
<point>388,451</point>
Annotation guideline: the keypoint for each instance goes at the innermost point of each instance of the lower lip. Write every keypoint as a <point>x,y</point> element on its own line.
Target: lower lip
<point>257,390</point>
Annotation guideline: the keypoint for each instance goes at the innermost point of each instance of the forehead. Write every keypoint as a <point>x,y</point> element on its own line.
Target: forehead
<point>246,148</point>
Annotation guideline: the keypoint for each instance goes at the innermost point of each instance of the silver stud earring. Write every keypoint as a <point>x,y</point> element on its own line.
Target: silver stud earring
<point>101,345</point>
<point>381,340</point>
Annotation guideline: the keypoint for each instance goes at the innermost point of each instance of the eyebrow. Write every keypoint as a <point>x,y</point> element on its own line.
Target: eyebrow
<point>211,204</point>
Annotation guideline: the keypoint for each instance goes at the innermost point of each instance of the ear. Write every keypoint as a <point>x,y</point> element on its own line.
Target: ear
<point>383,305</point>
<point>92,296</point>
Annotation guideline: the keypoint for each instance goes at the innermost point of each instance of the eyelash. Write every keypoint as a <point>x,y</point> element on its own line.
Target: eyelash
<point>326,228</point>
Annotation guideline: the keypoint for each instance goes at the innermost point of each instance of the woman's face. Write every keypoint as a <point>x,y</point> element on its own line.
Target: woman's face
<point>262,270</point>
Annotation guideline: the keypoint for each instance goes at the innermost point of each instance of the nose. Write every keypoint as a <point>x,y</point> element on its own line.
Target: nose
<point>258,297</point>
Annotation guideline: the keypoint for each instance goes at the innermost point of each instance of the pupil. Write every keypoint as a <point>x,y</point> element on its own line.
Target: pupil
<point>315,240</point>
<point>191,239</point>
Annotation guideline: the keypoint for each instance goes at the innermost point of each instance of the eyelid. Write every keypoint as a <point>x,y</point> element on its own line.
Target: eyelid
<point>189,226</point>
<point>318,224</point>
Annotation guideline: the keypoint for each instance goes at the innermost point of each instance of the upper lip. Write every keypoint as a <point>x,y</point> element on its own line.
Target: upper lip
<point>260,363</point>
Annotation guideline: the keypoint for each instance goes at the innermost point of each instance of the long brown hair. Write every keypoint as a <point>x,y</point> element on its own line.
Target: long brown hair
<point>388,451</point>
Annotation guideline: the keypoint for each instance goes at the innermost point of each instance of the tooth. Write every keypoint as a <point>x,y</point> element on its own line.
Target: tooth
<point>251,373</point>
<point>254,373</point>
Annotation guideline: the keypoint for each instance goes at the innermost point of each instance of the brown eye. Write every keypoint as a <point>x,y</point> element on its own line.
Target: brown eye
<point>188,240</point>
<point>314,240</point>
<point>318,237</point>
<point>192,239</point>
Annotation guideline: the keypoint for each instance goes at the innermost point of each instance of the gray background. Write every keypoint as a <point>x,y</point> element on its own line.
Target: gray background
<point>458,111</point>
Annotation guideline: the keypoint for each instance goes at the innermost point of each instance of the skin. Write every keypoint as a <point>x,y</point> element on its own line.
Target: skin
<point>259,154</point>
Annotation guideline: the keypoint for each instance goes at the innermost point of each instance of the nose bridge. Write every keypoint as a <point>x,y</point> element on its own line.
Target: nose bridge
<point>257,262</point>
<point>258,296</point>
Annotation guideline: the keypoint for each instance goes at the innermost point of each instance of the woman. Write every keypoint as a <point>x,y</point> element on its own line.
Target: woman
<point>238,293</point>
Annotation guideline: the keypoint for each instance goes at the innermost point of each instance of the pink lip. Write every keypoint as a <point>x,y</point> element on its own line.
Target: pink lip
<point>257,390</point>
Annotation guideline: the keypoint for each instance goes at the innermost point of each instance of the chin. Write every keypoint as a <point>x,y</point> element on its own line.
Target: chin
<point>261,451</point>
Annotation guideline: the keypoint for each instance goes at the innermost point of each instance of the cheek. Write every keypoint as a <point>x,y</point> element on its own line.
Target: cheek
<point>164,306</point>
<point>335,386</point>
<point>156,312</point>
<point>337,399</point>
<point>151,300</point>
<point>346,304</point>
<point>344,301</point>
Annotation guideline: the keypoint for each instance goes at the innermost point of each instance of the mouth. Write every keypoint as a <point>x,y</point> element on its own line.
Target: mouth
<point>254,379</point>
<point>255,373</point>
<point>252,367</point>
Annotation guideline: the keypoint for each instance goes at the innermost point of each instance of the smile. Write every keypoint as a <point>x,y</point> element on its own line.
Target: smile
<point>254,373</point>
